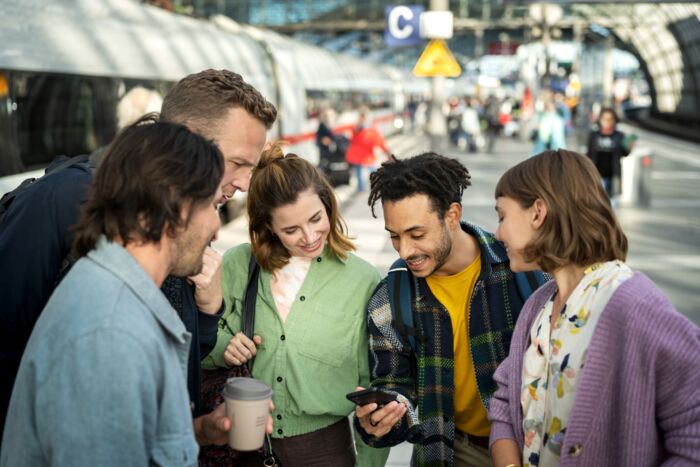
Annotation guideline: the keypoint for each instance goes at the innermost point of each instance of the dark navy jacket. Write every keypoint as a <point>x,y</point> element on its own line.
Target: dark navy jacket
<point>34,239</point>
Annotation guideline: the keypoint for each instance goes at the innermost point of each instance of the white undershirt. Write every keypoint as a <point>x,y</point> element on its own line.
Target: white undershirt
<point>286,282</point>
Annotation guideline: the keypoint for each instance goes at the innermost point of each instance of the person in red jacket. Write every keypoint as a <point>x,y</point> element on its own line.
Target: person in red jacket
<point>361,152</point>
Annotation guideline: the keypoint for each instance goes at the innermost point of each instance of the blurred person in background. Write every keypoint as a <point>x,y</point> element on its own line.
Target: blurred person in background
<point>411,108</point>
<point>471,127</point>
<point>332,148</point>
<point>454,119</point>
<point>565,112</point>
<point>606,148</point>
<point>492,115</point>
<point>550,132</point>
<point>602,369</point>
<point>366,139</point>
<point>324,135</point>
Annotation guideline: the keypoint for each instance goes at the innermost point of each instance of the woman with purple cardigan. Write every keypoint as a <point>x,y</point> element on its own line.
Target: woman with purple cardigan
<point>602,371</point>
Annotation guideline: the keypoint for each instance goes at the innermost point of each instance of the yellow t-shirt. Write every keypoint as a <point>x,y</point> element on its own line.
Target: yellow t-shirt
<point>454,292</point>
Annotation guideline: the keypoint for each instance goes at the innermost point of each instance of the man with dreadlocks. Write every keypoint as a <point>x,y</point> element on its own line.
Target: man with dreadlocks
<point>465,303</point>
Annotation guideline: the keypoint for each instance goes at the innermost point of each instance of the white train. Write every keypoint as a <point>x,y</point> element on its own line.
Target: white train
<point>65,64</point>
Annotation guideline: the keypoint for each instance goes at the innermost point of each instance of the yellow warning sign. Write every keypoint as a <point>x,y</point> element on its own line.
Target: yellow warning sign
<point>437,60</point>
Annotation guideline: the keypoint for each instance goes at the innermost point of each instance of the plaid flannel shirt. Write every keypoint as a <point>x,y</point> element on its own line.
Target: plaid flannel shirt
<point>426,378</point>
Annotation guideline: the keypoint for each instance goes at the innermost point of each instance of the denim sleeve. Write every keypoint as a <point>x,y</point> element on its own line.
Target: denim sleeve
<point>104,409</point>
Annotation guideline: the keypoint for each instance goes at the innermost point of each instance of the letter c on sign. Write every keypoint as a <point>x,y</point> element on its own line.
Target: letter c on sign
<point>393,22</point>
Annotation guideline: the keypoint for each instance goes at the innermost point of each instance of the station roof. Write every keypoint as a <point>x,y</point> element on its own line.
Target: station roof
<point>664,36</point>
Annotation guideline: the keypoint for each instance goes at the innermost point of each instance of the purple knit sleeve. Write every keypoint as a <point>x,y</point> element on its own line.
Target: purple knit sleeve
<point>677,359</point>
<point>499,407</point>
<point>502,411</point>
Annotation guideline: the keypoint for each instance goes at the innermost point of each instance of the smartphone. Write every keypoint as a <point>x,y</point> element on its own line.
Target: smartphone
<point>367,396</point>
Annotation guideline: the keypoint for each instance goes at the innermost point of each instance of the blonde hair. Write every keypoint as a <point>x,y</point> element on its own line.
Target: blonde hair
<point>136,103</point>
<point>276,181</point>
<point>580,227</point>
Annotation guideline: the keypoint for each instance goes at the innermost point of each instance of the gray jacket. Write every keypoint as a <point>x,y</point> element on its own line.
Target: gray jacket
<point>103,378</point>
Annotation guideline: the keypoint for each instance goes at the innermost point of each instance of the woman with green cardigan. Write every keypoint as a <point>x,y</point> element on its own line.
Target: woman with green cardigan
<point>310,344</point>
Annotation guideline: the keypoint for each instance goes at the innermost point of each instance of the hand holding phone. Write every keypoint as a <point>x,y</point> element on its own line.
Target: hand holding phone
<point>378,411</point>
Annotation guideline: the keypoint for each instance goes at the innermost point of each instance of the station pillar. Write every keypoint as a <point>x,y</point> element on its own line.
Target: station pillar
<point>437,121</point>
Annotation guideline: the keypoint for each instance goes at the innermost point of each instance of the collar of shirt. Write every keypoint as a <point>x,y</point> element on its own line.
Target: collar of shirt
<point>119,262</point>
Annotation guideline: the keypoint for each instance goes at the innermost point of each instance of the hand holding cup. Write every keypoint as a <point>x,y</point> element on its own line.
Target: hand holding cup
<point>248,401</point>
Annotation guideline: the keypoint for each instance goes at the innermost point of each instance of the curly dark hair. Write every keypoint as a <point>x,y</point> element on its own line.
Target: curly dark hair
<point>440,178</point>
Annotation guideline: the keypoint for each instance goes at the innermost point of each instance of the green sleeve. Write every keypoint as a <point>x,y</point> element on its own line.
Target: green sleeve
<point>367,456</point>
<point>229,324</point>
<point>233,281</point>
<point>362,342</point>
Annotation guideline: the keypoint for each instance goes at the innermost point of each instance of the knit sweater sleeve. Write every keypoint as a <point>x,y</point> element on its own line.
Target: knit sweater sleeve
<point>677,357</point>
<point>499,407</point>
<point>507,375</point>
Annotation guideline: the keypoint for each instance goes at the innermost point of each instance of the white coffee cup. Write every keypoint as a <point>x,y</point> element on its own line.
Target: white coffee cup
<point>248,406</point>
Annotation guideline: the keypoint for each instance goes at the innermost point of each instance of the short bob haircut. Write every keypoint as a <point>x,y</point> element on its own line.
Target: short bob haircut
<point>276,181</point>
<point>580,227</point>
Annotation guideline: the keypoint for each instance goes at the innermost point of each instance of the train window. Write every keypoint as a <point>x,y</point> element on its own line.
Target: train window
<point>344,101</point>
<point>317,100</point>
<point>58,115</point>
<point>10,161</point>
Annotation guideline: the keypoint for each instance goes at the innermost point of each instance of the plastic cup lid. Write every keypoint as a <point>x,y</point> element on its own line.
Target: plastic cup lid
<point>246,389</point>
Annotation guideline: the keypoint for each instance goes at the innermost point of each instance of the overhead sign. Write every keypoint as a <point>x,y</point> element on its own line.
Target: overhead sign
<point>436,25</point>
<point>403,25</point>
<point>437,60</point>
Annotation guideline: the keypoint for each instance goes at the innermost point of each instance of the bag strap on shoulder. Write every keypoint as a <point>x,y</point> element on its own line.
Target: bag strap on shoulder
<point>526,283</point>
<point>251,294</point>
<point>400,284</point>
<point>10,196</point>
<point>68,163</point>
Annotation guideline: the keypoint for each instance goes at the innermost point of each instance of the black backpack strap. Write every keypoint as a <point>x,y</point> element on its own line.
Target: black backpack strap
<point>68,163</point>
<point>526,283</point>
<point>251,293</point>
<point>532,280</point>
<point>10,196</point>
<point>401,294</point>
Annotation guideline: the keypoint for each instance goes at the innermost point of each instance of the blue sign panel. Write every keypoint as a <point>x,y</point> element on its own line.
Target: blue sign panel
<point>403,25</point>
